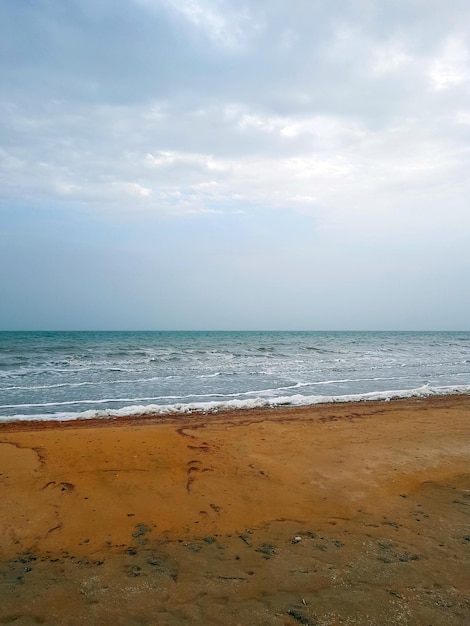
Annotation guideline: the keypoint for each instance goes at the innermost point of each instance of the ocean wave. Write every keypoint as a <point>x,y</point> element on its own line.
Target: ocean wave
<point>250,392</point>
<point>215,406</point>
<point>30,405</point>
<point>86,383</point>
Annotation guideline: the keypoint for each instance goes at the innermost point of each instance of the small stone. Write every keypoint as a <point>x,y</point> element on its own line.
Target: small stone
<point>134,571</point>
<point>298,616</point>
<point>193,547</point>
<point>296,539</point>
<point>267,549</point>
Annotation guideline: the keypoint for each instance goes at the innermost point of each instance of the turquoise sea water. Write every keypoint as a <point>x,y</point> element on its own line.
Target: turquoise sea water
<point>66,375</point>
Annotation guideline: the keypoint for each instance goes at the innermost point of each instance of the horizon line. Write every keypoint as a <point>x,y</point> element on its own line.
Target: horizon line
<point>232,330</point>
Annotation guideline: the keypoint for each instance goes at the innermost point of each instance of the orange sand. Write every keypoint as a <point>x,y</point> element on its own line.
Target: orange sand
<point>190,520</point>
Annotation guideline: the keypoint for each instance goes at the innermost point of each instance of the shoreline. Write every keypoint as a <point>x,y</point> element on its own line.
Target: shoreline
<point>354,513</point>
<point>226,413</point>
<point>217,406</point>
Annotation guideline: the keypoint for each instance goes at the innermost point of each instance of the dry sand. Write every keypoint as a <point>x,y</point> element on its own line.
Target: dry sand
<point>334,514</point>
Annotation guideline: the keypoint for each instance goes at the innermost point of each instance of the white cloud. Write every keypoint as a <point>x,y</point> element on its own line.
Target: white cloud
<point>451,66</point>
<point>388,58</point>
<point>161,159</point>
<point>135,189</point>
<point>298,122</point>
<point>463,117</point>
<point>351,177</point>
<point>220,21</point>
<point>177,158</point>
<point>324,129</point>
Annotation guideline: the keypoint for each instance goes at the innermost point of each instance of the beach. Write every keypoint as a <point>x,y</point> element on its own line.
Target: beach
<point>351,513</point>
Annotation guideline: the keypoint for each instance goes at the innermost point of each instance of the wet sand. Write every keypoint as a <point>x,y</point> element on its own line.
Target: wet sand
<point>334,514</point>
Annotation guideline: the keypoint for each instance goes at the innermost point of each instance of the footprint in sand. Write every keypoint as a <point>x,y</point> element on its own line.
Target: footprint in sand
<point>65,487</point>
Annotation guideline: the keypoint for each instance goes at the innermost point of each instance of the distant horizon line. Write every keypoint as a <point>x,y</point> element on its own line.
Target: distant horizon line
<point>252,330</point>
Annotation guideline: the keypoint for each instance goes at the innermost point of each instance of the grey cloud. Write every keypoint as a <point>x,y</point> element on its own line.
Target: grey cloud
<point>350,118</point>
<point>310,58</point>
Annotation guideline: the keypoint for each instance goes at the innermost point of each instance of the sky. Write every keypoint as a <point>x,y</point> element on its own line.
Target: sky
<point>234,164</point>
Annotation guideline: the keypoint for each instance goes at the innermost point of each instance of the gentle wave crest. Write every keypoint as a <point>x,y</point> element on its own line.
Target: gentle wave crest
<point>236,404</point>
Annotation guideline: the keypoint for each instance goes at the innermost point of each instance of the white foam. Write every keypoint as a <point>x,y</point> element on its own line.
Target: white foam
<point>87,383</point>
<point>258,402</point>
<point>250,392</point>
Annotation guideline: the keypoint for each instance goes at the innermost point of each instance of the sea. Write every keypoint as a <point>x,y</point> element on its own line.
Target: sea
<point>70,375</point>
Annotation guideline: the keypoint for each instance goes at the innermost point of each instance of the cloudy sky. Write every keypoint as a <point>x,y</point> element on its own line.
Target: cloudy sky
<point>235,164</point>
